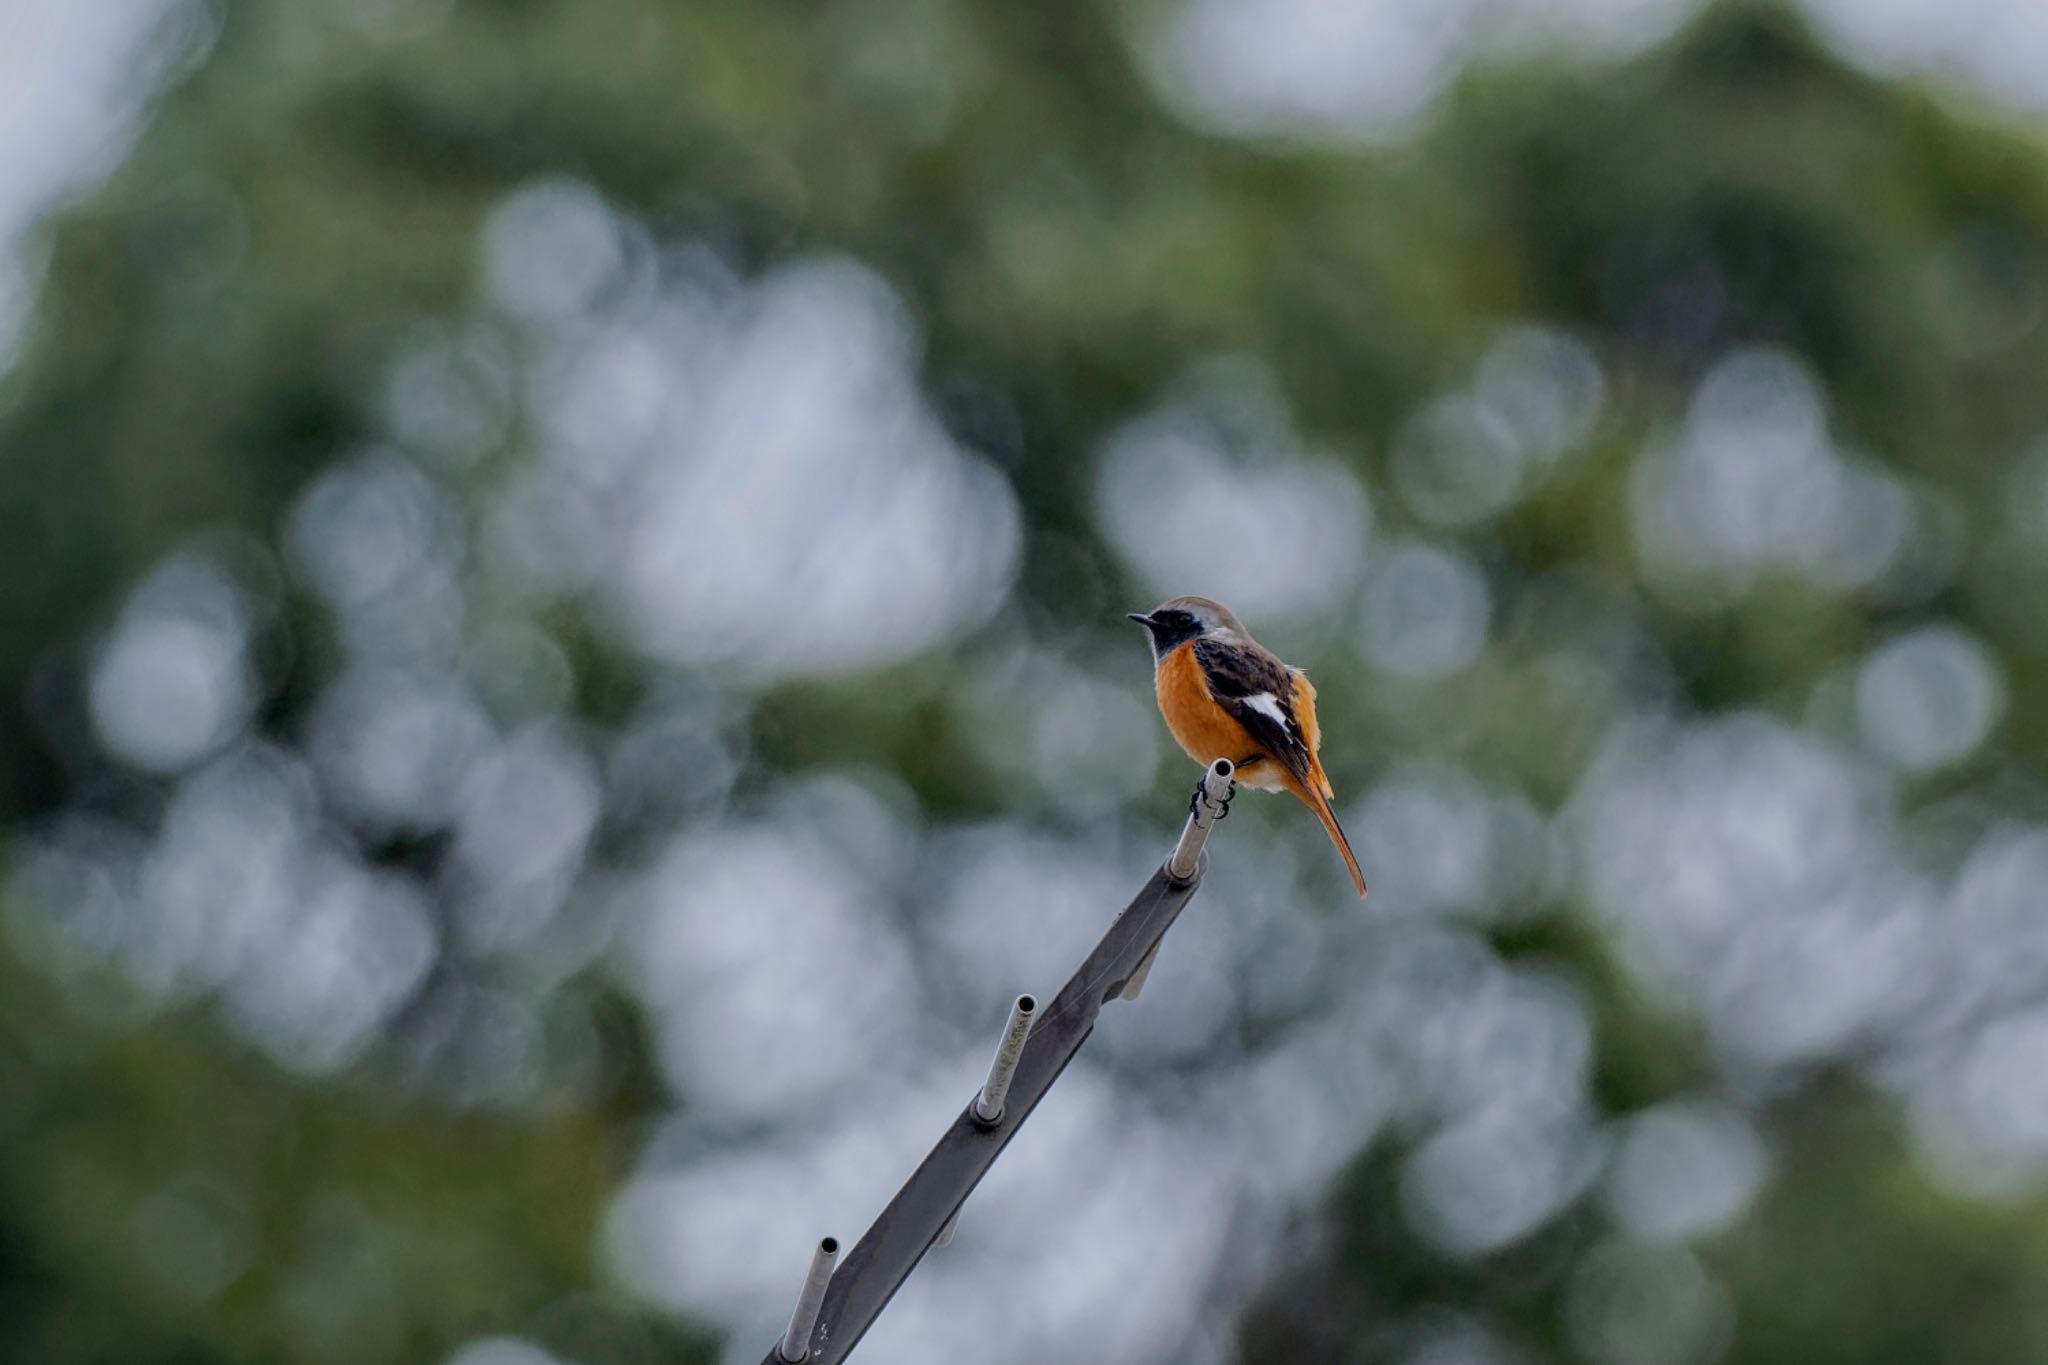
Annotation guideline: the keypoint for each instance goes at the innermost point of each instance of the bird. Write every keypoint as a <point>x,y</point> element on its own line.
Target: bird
<point>1225,695</point>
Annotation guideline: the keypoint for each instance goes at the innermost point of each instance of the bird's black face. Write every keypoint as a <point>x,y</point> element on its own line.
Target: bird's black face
<point>1168,628</point>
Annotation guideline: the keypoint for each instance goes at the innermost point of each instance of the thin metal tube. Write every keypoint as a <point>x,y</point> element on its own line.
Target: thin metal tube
<point>988,1106</point>
<point>796,1342</point>
<point>1185,862</point>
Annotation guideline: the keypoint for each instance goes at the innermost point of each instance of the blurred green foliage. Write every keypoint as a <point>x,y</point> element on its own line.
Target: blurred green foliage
<point>217,319</point>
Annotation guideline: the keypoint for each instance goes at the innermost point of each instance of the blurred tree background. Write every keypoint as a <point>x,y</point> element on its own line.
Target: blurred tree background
<point>561,656</point>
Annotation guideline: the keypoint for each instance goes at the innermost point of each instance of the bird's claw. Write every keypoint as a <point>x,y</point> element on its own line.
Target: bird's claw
<point>1222,807</point>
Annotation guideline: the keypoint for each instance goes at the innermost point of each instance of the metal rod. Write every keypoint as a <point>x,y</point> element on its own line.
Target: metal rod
<point>988,1105</point>
<point>1212,798</point>
<point>877,1264</point>
<point>796,1342</point>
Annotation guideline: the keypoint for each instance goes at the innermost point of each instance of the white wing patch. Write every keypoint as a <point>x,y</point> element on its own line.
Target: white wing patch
<point>1268,704</point>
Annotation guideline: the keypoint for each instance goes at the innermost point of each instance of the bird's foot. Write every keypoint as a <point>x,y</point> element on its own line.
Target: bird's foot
<point>1222,807</point>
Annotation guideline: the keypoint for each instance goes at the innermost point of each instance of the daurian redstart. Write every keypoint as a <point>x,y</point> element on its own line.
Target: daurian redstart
<point>1224,695</point>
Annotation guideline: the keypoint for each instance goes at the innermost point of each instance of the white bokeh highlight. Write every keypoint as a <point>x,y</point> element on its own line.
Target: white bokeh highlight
<point>1745,869</point>
<point>1465,457</point>
<point>75,83</point>
<point>1365,73</point>
<point>1424,613</point>
<point>172,682</point>
<point>1246,516</point>
<point>1929,698</point>
<point>850,529</point>
<point>1995,47</point>
<point>1374,73</point>
<point>1685,1169</point>
<point>1753,484</point>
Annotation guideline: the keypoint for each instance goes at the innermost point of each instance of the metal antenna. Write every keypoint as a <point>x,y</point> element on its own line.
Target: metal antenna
<point>796,1342</point>
<point>836,1308</point>
<point>1211,803</point>
<point>988,1106</point>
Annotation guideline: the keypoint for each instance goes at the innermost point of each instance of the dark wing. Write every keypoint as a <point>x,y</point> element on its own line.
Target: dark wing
<point>1258,690</point>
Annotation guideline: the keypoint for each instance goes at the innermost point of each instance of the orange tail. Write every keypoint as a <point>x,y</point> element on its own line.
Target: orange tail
<point>1320,804</point>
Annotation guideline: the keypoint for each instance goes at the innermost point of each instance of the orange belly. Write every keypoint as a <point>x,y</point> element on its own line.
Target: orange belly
<point>1204,729</point>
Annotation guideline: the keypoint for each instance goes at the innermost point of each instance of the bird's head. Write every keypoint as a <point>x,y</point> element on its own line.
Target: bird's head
<point>1179,619</point>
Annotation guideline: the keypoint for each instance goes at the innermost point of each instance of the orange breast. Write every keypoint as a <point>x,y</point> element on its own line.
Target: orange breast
<point>1204,729</point>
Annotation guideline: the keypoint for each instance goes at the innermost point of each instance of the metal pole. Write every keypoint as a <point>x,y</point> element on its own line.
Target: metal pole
<point>1212,798</point>
<point>796,1342</point>
<point>988,1106</point>
<point>929,1202</point>
<point>1211,803</point>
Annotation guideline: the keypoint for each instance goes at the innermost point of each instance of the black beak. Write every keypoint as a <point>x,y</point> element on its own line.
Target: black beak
<point>1141,618</point>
